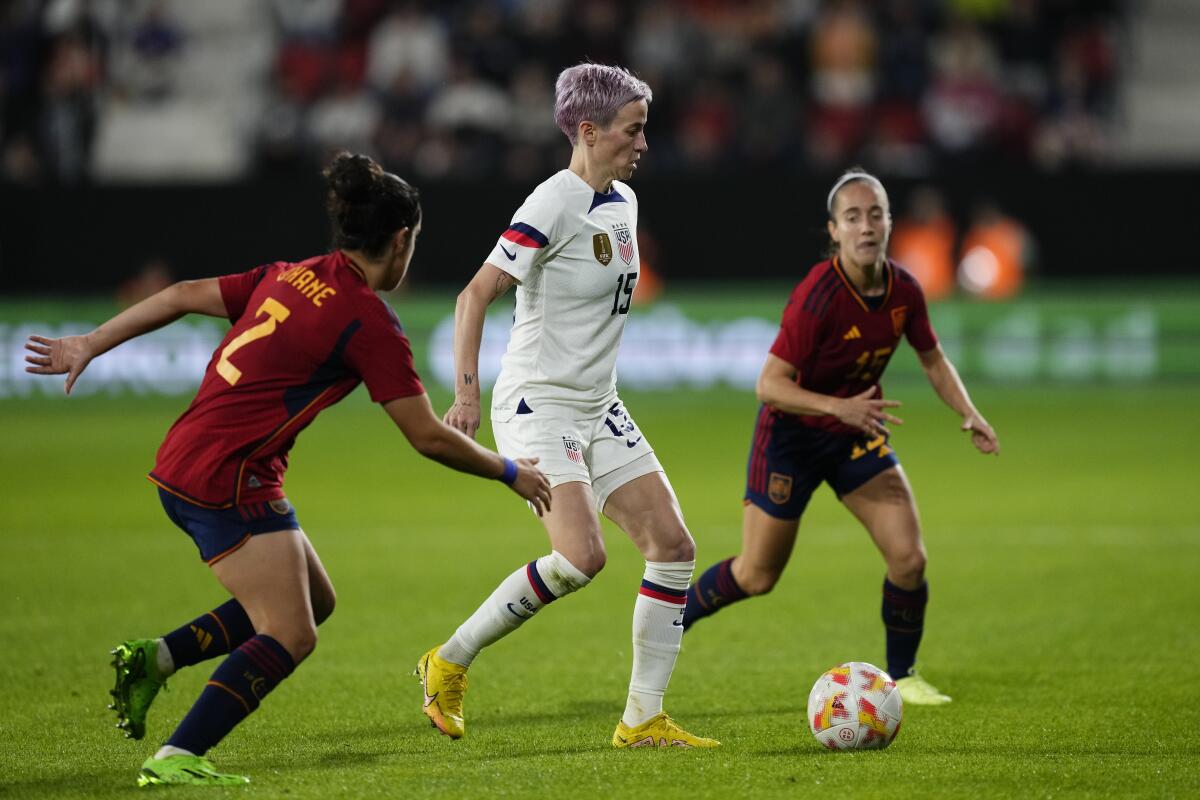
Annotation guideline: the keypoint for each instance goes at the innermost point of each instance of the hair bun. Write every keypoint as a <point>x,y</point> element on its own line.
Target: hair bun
<point>367,205</point>
<point>352,177</point>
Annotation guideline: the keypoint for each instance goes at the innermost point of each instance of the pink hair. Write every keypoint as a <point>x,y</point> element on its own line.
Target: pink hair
<point>595,92</point>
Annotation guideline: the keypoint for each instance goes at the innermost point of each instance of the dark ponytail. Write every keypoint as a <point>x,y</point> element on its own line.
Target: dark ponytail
<point>366,205</point>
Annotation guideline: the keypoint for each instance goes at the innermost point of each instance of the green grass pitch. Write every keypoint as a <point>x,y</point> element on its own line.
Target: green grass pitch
<point>1065,597</point>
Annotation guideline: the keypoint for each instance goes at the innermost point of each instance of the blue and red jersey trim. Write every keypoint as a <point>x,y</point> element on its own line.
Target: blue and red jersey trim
<point>674,596</point>
<point>525,235</point>
<point>539,586</point>
<point>758,456</point>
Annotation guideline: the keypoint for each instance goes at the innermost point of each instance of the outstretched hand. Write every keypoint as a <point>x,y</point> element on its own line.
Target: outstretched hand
<point>982,435</point>
<point>532,484</point>
<point>868,413</point>
<point>70,355</point>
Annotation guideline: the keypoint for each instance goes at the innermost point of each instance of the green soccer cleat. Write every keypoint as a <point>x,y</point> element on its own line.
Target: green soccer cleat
<point>138,682</point>
<point>185,771</point>
<point>916,691</point>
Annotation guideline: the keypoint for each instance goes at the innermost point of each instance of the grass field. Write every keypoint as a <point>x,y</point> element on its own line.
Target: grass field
<point>1065,586</point>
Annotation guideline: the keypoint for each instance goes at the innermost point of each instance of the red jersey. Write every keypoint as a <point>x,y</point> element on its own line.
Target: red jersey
<point>303,336</point>
<point>841,342</point>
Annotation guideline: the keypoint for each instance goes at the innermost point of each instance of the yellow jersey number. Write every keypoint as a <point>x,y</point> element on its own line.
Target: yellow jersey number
<point>276,313</point>
<point>868,365</point>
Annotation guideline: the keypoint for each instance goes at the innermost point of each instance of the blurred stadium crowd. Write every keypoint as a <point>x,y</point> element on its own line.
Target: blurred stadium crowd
<point>221,89</point>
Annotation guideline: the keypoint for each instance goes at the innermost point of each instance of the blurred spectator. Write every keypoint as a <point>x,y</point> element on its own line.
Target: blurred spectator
<point>408,41</point>
<point>467,101</point>
<point>908,86</point>
<point>313,21</point>
<point>345,119</point>
<point>996,252</point>
<point>770,115</point>
<point>843,54</point>
<point>923,242</point>
<point>708,118</point>
<point>963,104</point>
<point>156,44</point>
<point>400,130</point>
<point>68,122</point>
<point>282,134</point>
<point>663,42</point>
<point>482,41</point>
<point>595,32</point>
<point>153,277</point>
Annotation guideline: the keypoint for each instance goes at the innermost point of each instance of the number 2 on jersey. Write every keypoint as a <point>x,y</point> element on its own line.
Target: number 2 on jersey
<point>276,313</point>
<point>625,281</point>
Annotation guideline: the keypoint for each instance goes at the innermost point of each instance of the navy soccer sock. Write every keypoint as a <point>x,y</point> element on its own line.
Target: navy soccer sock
<point>213,634</point>
<point>711,592</point>
<point>233,693</point>
<point>903,621</point>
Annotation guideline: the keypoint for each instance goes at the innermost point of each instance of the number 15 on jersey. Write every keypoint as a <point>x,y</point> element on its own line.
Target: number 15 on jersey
<point>625,284</point>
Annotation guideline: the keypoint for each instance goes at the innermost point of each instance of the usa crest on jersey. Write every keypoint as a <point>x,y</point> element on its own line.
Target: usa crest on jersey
<point>574,449</point>
<point>624,242</point>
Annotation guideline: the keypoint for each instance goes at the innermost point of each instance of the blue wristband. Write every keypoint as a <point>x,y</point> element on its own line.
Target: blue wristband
<point>510,472</point>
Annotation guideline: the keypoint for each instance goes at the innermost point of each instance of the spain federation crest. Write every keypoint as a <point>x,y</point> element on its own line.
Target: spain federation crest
<point>899,317</point>
<point>624,241</point>
<point>574,449</point>
<point>779,489</point>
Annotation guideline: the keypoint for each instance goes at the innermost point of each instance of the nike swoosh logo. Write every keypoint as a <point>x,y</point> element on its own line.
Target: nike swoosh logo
<point>678,623</point>
<point>634,442</point>
<point>429,698</point>
<point>515,613</point>
<point>511,256</point>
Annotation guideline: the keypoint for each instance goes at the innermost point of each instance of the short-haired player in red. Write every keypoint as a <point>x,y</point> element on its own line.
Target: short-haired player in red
<point>304,336</point>
<point>823,418</point>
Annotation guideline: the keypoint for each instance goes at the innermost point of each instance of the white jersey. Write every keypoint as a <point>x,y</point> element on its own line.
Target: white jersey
<point>574,252</point>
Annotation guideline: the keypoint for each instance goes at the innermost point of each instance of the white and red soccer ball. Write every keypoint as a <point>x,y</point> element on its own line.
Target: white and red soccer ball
<point>855,706</point>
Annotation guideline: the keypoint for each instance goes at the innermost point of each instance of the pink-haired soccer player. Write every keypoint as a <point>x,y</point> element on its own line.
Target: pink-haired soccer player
<point>571,250</point>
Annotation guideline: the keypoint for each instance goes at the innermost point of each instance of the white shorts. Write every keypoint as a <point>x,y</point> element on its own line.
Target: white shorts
<point>606,452</point>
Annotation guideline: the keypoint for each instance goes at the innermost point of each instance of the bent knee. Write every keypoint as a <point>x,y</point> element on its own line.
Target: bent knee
<point>591,563</point>
<point>299,641</point>
<point>323,605</point>
<point>756,582</point>
<point>305,643</point>
<point>908,568</point>
<point>588,561</point>
<point>677,545</point>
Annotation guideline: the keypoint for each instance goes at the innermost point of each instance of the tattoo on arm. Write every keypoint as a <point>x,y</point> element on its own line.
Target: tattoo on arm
<point>468,378</point>
<point>503,282</point>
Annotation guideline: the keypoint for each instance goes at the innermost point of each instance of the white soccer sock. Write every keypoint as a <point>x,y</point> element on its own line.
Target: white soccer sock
<point>516,599</point>
<point>167,751</point>
<point>657,634</point>
<point>164,660</point>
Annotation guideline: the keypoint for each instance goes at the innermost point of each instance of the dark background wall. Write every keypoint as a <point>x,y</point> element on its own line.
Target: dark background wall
<point>83,239</point>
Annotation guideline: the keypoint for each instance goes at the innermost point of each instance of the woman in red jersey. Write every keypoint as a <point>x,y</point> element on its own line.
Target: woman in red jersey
<point>823,418</point>
<point>304,336</point>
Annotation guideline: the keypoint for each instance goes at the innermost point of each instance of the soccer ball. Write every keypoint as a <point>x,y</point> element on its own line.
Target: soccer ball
<point>855,706</point>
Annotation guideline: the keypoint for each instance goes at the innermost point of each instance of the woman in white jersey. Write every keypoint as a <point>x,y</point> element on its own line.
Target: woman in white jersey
<point>571,250</point>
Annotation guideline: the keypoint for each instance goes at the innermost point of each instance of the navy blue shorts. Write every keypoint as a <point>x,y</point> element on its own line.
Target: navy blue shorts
<point>217,532</point>
<point>788,461</point>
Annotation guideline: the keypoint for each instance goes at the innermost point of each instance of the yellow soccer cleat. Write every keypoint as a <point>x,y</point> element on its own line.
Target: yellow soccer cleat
<point>658,731</point>
<point>443,684</point>
<point>916,691</point>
